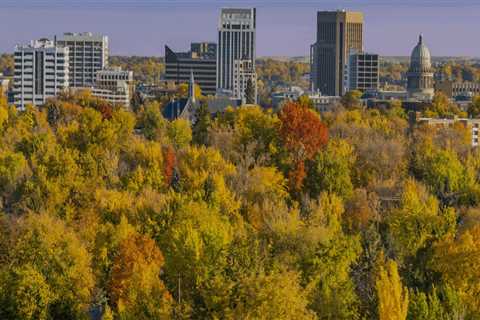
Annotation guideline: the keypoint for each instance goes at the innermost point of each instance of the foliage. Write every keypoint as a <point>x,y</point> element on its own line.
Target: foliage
<point>352,99</point>
<point>247,214</point>
<point>392,296</point>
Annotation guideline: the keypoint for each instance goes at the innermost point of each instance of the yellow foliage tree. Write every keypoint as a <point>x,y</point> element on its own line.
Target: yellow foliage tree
<point>456,258</point>
<point>392,296</point>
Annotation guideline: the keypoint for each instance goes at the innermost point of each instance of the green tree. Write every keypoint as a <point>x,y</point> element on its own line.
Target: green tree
<point>331,170</point>
<point>203,122</point>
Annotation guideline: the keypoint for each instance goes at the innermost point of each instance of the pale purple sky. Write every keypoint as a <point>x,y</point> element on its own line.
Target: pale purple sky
<point>284,28</point>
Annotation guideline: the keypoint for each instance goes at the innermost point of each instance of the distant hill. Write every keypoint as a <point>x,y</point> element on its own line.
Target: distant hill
<point>306,59</point>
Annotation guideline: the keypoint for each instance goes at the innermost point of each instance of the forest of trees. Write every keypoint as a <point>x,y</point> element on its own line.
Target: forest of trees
<point>111,214</point>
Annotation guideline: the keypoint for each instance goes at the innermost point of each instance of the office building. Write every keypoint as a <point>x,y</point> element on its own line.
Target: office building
<point>114,85</point>
<point>420,74</point>
<point>204,49</point>
<point>88,54</point>
<point>243,72</point>
<point>179,65</point>
<point>362,72</point>
<point>338,32</point>
<point>236,41</point>
<point>41,72</point>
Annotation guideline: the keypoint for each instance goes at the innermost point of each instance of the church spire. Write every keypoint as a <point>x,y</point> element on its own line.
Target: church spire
<point>420,38</point>
<point>191,87</point>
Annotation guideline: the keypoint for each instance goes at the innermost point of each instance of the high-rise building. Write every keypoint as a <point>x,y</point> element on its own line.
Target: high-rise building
<point>338,32</point>
<point>180,65</point>
<point>420,74</point>
<point>114,85</point>
<point>243,72</point>
<point>88,54</point>
<point>362,72</point>
<point>41,72</point>
<point>236,41</point>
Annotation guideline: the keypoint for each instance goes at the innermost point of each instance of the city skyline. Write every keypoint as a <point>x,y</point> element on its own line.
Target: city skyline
<point>145,28</point>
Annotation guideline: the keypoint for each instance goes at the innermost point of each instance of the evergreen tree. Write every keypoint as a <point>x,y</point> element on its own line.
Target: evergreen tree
<point>202,123</point>
<point>250,92</point>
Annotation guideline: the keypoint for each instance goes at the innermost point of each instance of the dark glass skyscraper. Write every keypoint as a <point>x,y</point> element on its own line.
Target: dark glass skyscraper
<point>236,41</point>
<point>180,65</point>
<point>337,33</point>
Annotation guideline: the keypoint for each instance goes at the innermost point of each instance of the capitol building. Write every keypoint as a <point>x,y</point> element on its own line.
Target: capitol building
<point>420,74</point>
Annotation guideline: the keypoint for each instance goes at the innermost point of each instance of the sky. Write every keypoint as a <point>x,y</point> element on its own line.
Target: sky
<point>284,28</point>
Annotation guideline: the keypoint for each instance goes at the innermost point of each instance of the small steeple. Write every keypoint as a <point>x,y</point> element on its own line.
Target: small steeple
<point>420,38</point>
<point>191,87</point>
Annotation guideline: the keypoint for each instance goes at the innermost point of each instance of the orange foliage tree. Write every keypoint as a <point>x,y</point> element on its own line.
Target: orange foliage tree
<point>135,284</point>
<point>170,160</point>
<point>303,134</point>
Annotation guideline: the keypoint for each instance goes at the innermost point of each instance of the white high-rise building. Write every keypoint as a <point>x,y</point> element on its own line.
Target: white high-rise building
<point>243,70</point>
<point>88,54</point>
<point>41,72</point>
<point>236,41</point>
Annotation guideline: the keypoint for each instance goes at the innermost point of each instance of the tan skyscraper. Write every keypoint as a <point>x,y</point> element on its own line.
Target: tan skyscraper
<point>337,33</point>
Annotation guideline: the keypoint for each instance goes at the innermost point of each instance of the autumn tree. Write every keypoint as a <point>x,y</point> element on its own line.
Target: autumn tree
<point>442,107</point>
<point>453,260</point>
<point>351,99</point>
<point>48,273</point>
<point>474,108</point>
<point>135,287</point>
<point>417,221</point>
<point>303,134</point>
<point>392,296</point>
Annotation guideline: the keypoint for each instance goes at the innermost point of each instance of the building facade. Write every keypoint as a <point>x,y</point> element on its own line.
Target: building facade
<point>179,65</point>
<point>243,72</point>
<point>204,49</point>
<point>338,32</point>
<point>4,83</point>
<point>88,54</point>
<point>420,74</point>
<point>41,72</point>
<point>114,85</point>
<point>473,125</point>
<point>236,41</point>
<point>454,89</point>
<point>362,72</point>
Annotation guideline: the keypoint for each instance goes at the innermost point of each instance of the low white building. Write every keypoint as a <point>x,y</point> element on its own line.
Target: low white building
<point>114,85</point>
<point>288,94</point>
<point>4,83</point>
<point>41,72</point>
<point>473,125</point>
<point>324,103</point>
<point>243,71</point>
